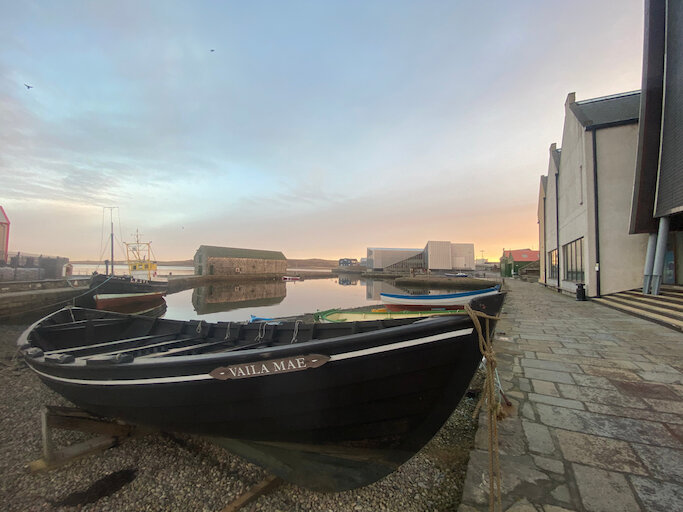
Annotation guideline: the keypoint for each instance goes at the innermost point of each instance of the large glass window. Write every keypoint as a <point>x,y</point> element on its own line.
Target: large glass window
<point>573,257</point>
<point>552,264</point>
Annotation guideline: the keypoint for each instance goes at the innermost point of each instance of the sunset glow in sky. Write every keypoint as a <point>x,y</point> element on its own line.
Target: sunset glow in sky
<point>314,128</point>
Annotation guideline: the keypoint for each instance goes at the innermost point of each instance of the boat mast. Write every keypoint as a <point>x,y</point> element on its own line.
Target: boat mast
<point>111,236</point>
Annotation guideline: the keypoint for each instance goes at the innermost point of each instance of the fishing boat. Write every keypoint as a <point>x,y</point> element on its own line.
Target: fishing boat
<point>340,315</point>
<point>397,302</point>
<point>329,406</point>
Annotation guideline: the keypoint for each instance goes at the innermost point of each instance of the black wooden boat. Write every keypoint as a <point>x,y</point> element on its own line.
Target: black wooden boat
<point>102,283</point>
<point>327,406</point>
<point>107,284</point>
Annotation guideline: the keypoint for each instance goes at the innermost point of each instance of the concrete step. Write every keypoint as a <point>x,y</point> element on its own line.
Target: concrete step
<point>641,312</point>
<point>672,311</point>
<point>659,301</point>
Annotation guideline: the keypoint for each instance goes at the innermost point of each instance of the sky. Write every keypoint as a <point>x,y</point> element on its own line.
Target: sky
<point>315,128</point>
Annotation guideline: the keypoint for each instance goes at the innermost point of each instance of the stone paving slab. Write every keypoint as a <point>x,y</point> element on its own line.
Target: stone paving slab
<point>598,397</point>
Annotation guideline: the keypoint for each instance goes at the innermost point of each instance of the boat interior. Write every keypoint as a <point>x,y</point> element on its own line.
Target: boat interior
<point>104,337</point>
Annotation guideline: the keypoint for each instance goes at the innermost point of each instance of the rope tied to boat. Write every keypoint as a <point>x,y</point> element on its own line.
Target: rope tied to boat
<point>494,409</point>
<point>296,331</point>
<point>199,327</point>
<point>261,331</point>
<point>227,331</point>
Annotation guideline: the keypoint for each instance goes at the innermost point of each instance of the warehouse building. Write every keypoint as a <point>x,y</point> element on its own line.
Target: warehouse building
<point>436,256</point>
<point>230,261</point>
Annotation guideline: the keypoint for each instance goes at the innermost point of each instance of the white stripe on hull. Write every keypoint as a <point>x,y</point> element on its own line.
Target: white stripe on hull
<point>206,376</point>
<point>457,301</point>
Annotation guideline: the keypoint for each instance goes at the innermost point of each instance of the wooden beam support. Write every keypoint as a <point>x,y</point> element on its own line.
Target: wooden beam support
<point>266,485</point>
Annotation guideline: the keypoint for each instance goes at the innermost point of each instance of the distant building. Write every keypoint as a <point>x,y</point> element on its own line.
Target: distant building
<point>512,261</point>
<point>347,262</point>
<point>4,236</point>
<point>229,261</point>
<point>436,255</point>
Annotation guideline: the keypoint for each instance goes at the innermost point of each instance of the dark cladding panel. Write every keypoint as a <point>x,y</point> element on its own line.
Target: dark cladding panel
<point>670,186</point>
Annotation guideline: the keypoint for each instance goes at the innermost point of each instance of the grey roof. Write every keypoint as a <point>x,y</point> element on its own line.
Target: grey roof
<point>233,252</point>
<point>607,111</point>
<point>544,183</point>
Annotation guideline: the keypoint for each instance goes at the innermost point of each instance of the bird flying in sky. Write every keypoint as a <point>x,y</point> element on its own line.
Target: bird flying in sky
<point>28,86</point>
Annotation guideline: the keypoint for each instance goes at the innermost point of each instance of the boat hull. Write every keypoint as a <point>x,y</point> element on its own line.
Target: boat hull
<point>434,302</point>
<point>114,301</point>
<point>376,396</point>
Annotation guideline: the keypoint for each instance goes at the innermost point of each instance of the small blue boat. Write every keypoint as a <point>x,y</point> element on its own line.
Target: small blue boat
<point>397,302</point>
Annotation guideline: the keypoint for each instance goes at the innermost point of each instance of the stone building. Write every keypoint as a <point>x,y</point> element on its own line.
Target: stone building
<point>230,261</point>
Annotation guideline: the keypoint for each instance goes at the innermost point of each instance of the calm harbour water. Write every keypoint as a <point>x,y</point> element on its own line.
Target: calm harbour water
<point>234,302</point>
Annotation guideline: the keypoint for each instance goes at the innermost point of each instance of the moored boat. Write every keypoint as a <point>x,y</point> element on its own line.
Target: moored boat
<point>339,315</point>
<point>328,406</point>
<point>400,302</point>
<point>291,278</point>
<point>127,302</point>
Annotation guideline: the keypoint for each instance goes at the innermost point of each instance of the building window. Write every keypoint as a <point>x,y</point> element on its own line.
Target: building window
<point>573,256</point>
<point>552,263</point>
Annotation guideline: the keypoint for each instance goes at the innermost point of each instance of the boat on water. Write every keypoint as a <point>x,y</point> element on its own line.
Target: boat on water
<point>141,266</point>
<point>399,302</point>
<point>340,315</point>
<point>128,302</point>
<point>329,406</point>
<point>292,278</point>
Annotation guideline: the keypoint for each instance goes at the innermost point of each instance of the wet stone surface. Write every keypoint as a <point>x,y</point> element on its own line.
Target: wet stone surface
<point>599,410</point>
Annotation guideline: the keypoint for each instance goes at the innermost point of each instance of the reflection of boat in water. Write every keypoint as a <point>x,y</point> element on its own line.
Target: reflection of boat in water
<point>134,303</point>
<point>225,297</point>
<point>328,406</point>
<point>400,302</point>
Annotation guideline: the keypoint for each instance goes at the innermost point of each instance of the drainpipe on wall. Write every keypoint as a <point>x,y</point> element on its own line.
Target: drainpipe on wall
<point>597,217</point>
<point>545,266</point>
<point>660,252</point>
<point>649,262</point>
<point>557,227</point>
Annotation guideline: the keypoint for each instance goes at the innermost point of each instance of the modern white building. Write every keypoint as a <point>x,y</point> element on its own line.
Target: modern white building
<point>436,255</point>
<point>585,199</point>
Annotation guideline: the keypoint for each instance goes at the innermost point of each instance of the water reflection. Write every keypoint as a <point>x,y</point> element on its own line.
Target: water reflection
<point>374,288</point>
<point>226,297</point>
<point>351,280</point>
<point>236,302</point>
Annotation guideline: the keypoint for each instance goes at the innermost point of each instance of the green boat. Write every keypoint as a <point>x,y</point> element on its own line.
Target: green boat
<point>341,315</point>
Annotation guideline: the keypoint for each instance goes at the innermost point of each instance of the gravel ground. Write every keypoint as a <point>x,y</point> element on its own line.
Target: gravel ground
<point>161,472</point>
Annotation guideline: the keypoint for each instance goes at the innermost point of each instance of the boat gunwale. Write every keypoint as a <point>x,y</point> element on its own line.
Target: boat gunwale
<point>458,295</point>
<point>338,344</point>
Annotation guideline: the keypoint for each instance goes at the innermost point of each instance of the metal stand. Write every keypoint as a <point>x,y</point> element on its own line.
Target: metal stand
<point>110,433</point>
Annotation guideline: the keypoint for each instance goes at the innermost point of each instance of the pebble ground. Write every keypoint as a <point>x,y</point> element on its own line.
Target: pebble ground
<point>184,473</point>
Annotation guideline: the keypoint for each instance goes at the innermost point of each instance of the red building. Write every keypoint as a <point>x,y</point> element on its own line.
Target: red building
<point>511,261</point>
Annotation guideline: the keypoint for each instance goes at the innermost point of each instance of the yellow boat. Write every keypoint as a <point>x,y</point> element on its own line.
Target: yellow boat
<point>339,315</point>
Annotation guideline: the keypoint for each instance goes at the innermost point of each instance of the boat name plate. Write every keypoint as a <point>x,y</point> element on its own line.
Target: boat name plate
<point>269,367</point>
